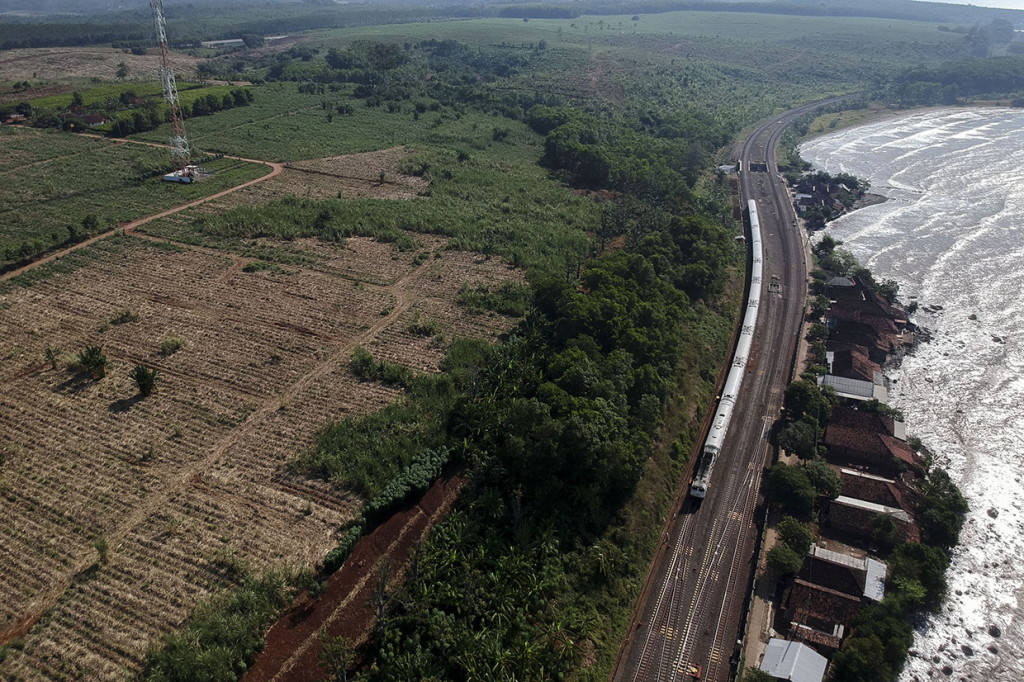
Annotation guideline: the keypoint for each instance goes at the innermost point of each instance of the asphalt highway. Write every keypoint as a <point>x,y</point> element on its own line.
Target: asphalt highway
<point>692,607</point>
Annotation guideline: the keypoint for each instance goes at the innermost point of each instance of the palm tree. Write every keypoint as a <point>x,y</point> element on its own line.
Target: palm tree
<point>92,360</point>
<point>144,378</point>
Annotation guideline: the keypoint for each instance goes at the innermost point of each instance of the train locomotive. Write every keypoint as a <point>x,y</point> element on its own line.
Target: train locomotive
<point>723,416</point>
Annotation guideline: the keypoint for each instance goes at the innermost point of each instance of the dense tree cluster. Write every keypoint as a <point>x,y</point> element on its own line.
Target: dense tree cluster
<point>966,78</point>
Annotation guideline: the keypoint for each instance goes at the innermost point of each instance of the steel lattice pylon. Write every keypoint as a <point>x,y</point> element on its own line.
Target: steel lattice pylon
<point>180,151</point>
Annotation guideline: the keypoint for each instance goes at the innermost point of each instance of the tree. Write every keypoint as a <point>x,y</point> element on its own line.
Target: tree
<point>800,438</point>
<point>884,532</point>
<point>925,565</point>
<point>76,99</point>
<point>819,306</point>
<point>144,378</point>
<point>804,398</point>
<point>783,561</point>
<point>861,660</point>
<point>797,536</point>
<point>752,674</point>
<point>122,71</point>
<point>941,510</point>
<point>90,225</point>
<point>92,360</point>
<point>839,262</point>
<point>888,289</point>
<point>336,655</point>
<point>823,478</point>
<point>790,487</point>
<point>252,40</point>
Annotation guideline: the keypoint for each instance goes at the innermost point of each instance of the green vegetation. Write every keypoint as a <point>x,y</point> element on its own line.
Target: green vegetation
<point>823,478</point>
<point>102,549</point>
<point>171,344</point>
<point>948,83</point>
<point>91,359</point>
<point>574,429</point>
<point>225,632</point>
<point>791,487</point>
<point>336,557</point>
<point>798,536</point>
<point>144,378</point>
<point>508,298</point>
<point>941,510</point>
<point>91,189</point>
<point>783,560</point>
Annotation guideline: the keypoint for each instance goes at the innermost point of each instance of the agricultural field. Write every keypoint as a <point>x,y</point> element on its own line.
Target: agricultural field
<point>485,195</point>
<point>51,182</point>
<point>186,485</point>
<point>283,124</point>
<point>70,64</point>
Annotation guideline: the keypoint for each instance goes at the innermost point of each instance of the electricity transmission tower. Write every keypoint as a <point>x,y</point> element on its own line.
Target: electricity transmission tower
<point>180,152</point>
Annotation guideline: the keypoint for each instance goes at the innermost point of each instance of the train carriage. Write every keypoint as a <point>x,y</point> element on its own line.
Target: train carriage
<point>723,416</point>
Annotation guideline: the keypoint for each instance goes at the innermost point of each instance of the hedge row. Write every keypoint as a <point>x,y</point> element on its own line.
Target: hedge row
<point>414,480</point>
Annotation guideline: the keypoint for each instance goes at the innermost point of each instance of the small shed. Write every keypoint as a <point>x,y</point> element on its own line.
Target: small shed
<point>793,661</point>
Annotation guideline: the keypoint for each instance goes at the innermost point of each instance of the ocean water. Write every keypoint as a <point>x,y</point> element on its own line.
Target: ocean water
<point>952,235</point>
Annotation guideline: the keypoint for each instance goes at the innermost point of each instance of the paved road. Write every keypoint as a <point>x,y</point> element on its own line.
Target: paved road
<point>696,593</point>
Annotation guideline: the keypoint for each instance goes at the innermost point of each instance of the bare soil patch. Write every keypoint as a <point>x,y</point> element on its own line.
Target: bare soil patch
<point>62,63</point>
<point>353,176</point>
<point>188,482</point>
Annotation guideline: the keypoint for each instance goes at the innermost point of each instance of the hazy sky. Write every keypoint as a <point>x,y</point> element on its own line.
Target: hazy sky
<point>1005,4</point>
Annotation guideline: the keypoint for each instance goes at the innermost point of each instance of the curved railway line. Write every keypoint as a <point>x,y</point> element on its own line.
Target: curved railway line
<point>691,609</point>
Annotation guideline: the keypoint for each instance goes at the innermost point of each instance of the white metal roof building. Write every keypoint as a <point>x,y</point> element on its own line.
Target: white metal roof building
<point>793,661</point>
<point>855,389</point>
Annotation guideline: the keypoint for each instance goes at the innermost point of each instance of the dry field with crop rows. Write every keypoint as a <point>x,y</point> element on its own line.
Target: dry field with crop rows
<point>186,483</point>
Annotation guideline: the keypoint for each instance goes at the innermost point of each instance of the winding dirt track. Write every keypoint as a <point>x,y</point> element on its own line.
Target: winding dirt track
<point>128,228</point>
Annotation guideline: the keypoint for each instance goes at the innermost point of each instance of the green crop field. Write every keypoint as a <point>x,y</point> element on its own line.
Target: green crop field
<point>78,177</point>
<point>98,94</point>
<point>20,147</point>
<point>283,124</point>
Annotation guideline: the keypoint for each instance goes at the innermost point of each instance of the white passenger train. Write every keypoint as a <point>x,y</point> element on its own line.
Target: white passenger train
<point>723,417</point>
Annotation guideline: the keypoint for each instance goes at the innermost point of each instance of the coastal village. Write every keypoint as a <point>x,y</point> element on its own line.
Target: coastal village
<point>829,548</point>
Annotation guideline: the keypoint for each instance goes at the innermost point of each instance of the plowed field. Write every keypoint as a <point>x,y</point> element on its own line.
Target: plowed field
<point>187,482</point>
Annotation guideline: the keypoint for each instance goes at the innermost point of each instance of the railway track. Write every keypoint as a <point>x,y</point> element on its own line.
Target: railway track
<point>691,612</point>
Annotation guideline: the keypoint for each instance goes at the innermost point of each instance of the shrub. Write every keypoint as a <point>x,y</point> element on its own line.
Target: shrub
<point>224,633</point>
<point>421,327</point>
<point>415,479</point>
<point>171,345</point>
<point>366,368</point>
<point>102,549</point>
<point>336,557</point>
<point>363,365</point>
<point>92,360</point>
<point>144,378</point>
<point>509,298</point>
<point>52,356</point>
<point>124,316</point>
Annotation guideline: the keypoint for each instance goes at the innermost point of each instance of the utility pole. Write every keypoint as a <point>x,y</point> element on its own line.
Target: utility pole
<point>180,152</point>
